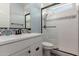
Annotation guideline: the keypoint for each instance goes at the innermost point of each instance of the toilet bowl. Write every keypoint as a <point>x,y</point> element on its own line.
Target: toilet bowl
<point>47,47</point>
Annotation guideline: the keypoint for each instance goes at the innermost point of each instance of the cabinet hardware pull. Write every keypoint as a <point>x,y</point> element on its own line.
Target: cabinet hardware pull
<point>29,51</point>
<point>37,48</point>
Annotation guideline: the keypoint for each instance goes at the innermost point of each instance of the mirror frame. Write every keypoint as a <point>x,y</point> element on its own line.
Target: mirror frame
<point>25,21</point>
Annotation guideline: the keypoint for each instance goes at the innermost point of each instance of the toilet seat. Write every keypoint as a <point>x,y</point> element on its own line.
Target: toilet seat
<point>47,45</point>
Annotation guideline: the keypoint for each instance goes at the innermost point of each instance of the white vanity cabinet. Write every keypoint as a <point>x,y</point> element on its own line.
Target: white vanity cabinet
<point>33,50</point>
<point>26,47</point>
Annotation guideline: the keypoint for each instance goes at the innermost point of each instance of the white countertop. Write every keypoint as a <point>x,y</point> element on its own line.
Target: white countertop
<point>14,38</point>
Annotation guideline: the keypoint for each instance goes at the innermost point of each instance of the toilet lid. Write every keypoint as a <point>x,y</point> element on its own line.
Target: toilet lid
<point>47,44</point>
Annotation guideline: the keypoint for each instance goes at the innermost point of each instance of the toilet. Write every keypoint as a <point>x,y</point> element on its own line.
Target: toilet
<point>47,48</point>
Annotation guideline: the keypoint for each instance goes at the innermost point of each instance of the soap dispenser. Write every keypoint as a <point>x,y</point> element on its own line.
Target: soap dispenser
<point>19,31</point>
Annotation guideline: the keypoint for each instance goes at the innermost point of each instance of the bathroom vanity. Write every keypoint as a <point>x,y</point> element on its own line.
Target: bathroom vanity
<point>28,44</point>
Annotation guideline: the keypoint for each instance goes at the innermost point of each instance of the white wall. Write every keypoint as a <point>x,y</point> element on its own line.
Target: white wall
<point>45,4</point>
<point>4,14</point>
<point>35,11</point>
<point>26,8</point>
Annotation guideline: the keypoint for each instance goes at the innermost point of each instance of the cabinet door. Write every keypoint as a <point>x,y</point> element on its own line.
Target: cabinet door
<point>36,49</point>
<point>24,52</point>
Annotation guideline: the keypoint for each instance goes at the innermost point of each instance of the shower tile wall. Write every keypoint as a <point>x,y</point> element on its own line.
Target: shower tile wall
<point>50,35</point>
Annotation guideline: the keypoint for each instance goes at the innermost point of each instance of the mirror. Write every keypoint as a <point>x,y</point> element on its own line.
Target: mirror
<point>28,22</point>
<point>17,15</point>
